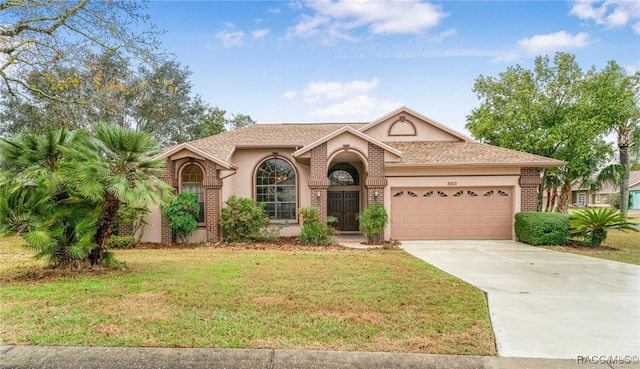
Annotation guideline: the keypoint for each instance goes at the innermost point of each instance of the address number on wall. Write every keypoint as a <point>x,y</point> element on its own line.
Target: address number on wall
<point>452,183</point>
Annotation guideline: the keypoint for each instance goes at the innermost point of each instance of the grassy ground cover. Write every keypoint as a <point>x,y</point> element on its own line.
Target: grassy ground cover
<point>619,246</point>
<point>211,297</point>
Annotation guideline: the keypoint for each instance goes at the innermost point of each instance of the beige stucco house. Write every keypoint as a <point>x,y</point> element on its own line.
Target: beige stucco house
<point>434,182</point>
<point>583,197</point>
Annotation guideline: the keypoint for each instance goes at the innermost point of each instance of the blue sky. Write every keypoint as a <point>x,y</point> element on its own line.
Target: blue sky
<point>354,61</point>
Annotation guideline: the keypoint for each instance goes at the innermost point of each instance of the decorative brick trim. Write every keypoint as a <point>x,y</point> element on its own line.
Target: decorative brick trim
<point>318,180</point>
<point>212,198</point>
<point>529,182</point>
<point>375,182</point>
<point>169,177</point>
<point>124,229</point>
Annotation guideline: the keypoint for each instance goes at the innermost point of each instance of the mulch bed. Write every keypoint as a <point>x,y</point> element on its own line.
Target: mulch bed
<point>282,244</point>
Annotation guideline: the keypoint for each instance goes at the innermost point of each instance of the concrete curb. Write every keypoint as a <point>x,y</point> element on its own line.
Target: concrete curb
<point>49,357</point>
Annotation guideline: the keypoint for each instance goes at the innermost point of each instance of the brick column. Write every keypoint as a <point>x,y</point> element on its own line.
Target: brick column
<point>319,181</point>
<point>376,182</point>
<point>529,183</point>
<point>125,229</point>
<point>169,177</point>
<point>212,193</point>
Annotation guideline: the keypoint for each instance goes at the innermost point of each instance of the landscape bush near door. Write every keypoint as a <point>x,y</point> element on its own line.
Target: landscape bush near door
<point>539,229</point>
<point>372,222</point>
<point>314,232</point>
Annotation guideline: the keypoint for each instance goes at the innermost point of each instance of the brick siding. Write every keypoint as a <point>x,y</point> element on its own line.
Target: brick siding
<point>169,177</point>
<point>529,182</point>
<point>212,191</point>
<point>318,180</point>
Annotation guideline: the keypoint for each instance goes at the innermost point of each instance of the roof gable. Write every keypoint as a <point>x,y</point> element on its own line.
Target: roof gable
<point>404,124</point>
<point>346,130</point>
<point>186,150</point>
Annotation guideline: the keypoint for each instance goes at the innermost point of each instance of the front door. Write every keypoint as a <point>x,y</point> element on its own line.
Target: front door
<point>344,205</point>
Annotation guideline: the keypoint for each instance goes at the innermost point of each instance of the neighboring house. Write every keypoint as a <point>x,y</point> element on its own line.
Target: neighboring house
<point>582,197</point>
<point>434,182</point>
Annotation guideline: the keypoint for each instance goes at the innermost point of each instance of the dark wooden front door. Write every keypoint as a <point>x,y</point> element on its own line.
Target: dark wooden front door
<point>345,206</point>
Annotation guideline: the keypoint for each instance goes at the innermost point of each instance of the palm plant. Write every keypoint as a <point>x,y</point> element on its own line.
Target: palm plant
<point>36,203</point>
<point>593,223</point>
<point>115,167</point>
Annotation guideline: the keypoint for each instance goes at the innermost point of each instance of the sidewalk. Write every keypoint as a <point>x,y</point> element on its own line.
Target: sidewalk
<point>47,357</point>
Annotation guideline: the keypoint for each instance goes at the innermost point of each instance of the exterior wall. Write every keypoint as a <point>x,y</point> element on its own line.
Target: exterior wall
<point>423,130</point>
<point>529,182</point>
<point>469,177</point>
<point>242,182</point>
<point>318,181</point>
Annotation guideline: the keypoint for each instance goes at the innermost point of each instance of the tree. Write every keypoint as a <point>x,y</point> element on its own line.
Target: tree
<point>616,97</point>
<point>62,192</point>
<point>36,35</point>
<point>117,166</point>
<point>542,111</point>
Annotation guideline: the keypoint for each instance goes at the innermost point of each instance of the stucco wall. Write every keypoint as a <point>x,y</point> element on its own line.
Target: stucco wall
<point>424,132</point>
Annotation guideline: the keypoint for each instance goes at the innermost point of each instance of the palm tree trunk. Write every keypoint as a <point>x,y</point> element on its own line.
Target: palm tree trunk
<point>565,196</point>
<point>104,226</point>
<point>554,198</point>
<point>624,183</point>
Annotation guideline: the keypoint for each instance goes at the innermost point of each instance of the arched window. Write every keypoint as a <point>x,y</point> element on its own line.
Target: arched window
<point>343,174</point>
<point>276,188</point>
<point>192,182</point>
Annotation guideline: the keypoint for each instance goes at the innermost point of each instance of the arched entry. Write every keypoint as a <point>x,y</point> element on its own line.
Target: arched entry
<point>343,196</point>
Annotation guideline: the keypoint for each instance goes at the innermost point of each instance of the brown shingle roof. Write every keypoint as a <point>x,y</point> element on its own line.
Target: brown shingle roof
<point>439,153</point>
<point>275,135</point>
<point>465,153</point>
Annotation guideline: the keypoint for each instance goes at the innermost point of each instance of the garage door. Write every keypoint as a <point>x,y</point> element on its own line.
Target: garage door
<point>432,213</point>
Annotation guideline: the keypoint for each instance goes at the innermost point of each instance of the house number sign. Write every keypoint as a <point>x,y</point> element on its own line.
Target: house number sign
<point>452,183</point>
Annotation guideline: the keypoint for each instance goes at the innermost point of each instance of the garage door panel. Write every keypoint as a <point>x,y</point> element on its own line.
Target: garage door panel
<point>452,213</point>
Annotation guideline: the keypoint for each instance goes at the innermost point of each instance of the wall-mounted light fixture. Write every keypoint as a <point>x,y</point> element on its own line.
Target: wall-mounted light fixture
<point>375,194</point>
<point>318,194</point>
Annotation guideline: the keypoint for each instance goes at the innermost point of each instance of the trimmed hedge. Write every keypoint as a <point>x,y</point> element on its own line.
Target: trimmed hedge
<point>121,242</point>
<point>542,228</point>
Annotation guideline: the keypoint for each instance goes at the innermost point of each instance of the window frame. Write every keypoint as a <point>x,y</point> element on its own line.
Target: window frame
<point>202,216</point>
<point>278,190</point>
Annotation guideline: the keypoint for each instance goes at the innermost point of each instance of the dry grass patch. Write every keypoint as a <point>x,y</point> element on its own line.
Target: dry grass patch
<point>288,299</point>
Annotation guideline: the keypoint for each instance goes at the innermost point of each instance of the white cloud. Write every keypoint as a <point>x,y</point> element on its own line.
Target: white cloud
<point>337,18</point>
<point>260,33</point>
<point>289,94</point>
<point>630,69</point>
<point>540,44</point>
<point>337,90</point>
<point>609,13</point>
<point>230,38</point>
<point>443,35</point>
<point>361,106</point>
<point>545,44</point>
<point>344,100</point>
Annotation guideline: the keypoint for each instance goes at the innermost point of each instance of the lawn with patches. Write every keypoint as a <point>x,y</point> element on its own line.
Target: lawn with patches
<point>209,297</point>
<point>619,246</point>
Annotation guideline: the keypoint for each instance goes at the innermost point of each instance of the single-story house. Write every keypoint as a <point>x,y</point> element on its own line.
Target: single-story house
<point>434,182</point>
<point>582,197</point>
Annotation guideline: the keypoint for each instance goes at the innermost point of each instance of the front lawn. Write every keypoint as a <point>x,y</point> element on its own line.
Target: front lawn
<point>212,297</point>
<point>619,246</point>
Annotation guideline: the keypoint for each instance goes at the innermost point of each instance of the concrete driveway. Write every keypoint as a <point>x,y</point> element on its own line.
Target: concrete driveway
<point>544,303</point>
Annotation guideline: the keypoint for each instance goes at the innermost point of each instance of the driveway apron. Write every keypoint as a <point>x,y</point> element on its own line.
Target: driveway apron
<point>544,303</point>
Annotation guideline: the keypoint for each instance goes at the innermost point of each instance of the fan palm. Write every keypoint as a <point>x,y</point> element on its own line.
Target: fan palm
<point>117,166</point>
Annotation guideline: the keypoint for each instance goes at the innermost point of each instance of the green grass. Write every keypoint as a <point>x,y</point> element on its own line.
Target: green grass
<point>327,300</point>
<point>619,246</point>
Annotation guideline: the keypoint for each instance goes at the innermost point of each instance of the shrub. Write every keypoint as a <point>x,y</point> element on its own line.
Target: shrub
<point>183,213</point>
<point>592,224</point>
<point>538,229</point>
<point>372,222</point>
<point>313,231</point>
<point>242,219</point>
<point>121,242</point>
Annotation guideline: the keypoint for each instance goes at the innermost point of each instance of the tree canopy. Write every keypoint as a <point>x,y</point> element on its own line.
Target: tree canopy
<point>544,111</point>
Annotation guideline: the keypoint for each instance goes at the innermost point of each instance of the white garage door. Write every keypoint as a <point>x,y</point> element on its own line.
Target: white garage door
<point>432,213</point>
